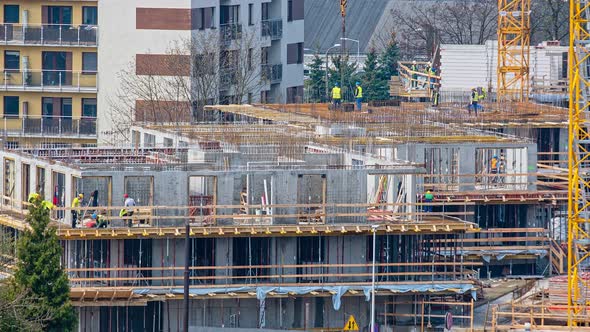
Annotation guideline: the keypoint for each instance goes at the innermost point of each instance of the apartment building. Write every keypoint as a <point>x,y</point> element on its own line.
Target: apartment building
<point>145,30</point>
<point>48,72</point>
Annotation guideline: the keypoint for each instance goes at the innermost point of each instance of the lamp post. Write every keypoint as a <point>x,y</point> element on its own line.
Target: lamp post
<point>327,51</point>
<point>374,230</point>
<point>358,48</point>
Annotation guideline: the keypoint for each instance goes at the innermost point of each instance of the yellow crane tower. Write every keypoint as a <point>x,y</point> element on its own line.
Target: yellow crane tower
<point>514,26</point>
<point>578,159</point>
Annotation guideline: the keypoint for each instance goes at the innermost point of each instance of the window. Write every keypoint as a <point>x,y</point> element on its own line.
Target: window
<point>250,51</point>
<point>294,53</point>
<point>264,55</point>
<point>295,9</point>
<point>89,16</point>
<point>57,15</point>
<point>230,14</point>
<point>264,12</point>
<point>89,63</point>
<point>11,61</point>
<point>89,107</point>
<point>202,18</point>
<point>49,106</point>
<point>11,14</point>
<point>251,14</point>
<point>11,105</point>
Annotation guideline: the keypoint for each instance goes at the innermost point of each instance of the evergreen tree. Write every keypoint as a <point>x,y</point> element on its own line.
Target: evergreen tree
<point>389,58</point>
<point>39,270</point>
<point>347,78</point>
<point>317,80</point>
<point>375,87</point>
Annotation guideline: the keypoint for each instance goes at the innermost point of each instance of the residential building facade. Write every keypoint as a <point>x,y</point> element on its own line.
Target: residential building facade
<point>48,72</point>
<point>145,31</point>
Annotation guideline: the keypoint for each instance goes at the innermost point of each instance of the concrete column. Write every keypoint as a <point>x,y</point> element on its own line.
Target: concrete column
<point>411,192</point>
<point>531,162</point>
<point>467,166</point>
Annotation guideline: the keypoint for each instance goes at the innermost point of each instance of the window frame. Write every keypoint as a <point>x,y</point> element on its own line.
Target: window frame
<point>84,8</point>
<point>17,16</point>
<point>84,100</point>
<point>86,71</point>
<point>11,70</point>
<point>250,14</point>
<point>4,107</point>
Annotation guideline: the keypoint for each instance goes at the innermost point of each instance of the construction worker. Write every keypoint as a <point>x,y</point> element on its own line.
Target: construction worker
<point>481,95</point>
<point>100,221</point>
<point>494,167</point>
<point>336,96</point>
<point>127,211</point>
<point>76,213</point>
<point>428,198</point>
<point>474,100</point>
<point>431,71</point>
<point>414,69</point>
<point>358,94</point>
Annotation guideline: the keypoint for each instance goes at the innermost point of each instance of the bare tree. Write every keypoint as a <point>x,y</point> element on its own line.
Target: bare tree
<point>549,20</point>
<point>210,67</point>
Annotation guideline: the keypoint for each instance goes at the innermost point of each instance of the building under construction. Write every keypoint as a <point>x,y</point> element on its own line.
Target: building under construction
<point>282,202</point>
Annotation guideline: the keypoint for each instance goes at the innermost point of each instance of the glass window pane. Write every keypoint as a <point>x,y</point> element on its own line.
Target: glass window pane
<point>11,60</point>
<point>89,16</point>
<point>89,63</point>
<point>11,14</point>
<point>89,107</point>
<point>66,107</point>
<point>11,104</point>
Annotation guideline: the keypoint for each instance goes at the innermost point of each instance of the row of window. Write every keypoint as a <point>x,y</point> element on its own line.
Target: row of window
<point>51,106</point>
<point>53,15</point>
<point>204,18</point>
<point>52,61</point>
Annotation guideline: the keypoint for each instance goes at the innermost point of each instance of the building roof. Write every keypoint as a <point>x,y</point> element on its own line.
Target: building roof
<point>323,23</point>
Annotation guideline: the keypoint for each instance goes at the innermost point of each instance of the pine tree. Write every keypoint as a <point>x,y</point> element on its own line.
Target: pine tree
<point>317,80</point>
<point>39,270</point>
<point>374,86</point>
<point>389,58</point>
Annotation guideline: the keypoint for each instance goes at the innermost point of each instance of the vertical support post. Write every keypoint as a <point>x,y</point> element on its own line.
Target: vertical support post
<point>472,309</point>
<point>422,319</point>
<point>187,245</point>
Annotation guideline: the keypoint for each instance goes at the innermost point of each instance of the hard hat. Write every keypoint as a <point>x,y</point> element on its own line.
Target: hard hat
<point>81,195</point>
<point>94,216</point>
<point>358,83</point>
<point>336,84</point>
<point>495,156</point>
<point>429,63</point>
<point>428,192</point>
<point>414,62</point>
<point>126,196</point>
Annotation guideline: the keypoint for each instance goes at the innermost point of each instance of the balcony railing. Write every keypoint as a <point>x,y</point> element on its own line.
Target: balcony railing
<point>272,73</point>
<point>49,126</point>
<point>49,34</point>
<point>48,80</point>
<point>230,31</point>
<point>272,28</point>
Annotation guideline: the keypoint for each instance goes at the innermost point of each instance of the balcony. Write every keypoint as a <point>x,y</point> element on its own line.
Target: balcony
<point>30,126</point>
<point>49,80</point>
<point>49,34</point>
<point>272,29</point>
<point>272,73</point>
<point>229,32</point>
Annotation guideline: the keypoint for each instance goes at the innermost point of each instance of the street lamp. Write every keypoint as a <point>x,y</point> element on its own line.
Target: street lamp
<point>335,45</point>
<point>358,47</point>
<point>374,230</point>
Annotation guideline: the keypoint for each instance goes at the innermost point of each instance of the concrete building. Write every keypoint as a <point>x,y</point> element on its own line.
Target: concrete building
<point>48,85</point>
<point>146,30</point>
<point>281,203</point>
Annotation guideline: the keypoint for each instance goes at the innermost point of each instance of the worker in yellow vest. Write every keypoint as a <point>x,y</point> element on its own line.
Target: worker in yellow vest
<point>358,95</point>
<point>75,212</point>
<point>336,96</point>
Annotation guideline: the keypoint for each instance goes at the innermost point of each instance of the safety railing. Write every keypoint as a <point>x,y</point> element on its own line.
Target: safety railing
<point>49,34</point>
<point>272,73</point>
<point>272,28</point>
<point>49,126</point>
<point>268,274</point>
<point>49,80</point>
<point>414,82</point>
<point>229,32</point>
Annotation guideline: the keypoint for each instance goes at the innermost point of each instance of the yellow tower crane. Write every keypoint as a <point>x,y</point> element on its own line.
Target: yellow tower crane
<point>579,160</point>
<point>514,26</point>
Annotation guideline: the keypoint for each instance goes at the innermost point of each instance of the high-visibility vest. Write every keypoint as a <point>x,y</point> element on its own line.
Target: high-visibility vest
<point>359,92</point>
<point>429,197</point>
<point>482,95</point>
<point>336,93</point>
<point>414,68</point>
<point>474,96</point>
<point>122,213</point>
<point>76,202</point>
<point>494,163</point>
